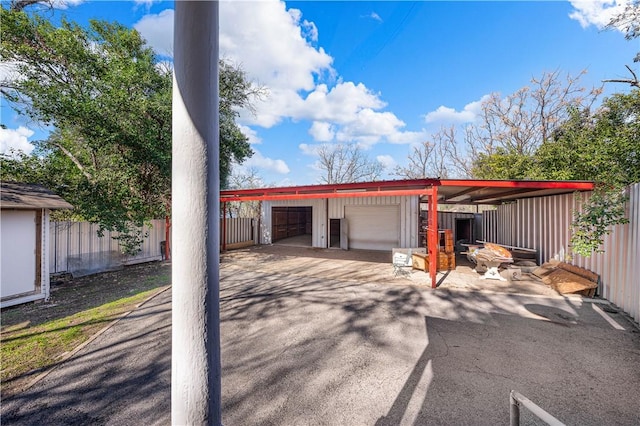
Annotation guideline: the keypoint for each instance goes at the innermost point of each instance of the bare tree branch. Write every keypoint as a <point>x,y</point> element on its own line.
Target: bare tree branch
<point>20,5</point>
<point>633,82</point>
<point>345,163</point>
<point>75,161</point>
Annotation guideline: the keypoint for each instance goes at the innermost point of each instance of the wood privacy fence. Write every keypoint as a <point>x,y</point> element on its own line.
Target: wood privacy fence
<point>544,224</point>
<point>76,248</point>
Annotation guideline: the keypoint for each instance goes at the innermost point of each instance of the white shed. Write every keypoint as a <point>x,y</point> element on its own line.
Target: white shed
<point>24,234</point>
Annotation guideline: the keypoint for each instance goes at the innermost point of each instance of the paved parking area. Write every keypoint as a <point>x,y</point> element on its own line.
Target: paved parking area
<point>303,349</point>
<point>317,339</point>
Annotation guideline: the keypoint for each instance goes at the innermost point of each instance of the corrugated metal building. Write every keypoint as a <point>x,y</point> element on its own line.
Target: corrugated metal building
<point>385,214</point>
<point>376,223</point>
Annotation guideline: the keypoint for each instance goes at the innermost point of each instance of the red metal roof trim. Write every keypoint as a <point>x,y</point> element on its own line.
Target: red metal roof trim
<point>387,188</point>
<point>538,184</point>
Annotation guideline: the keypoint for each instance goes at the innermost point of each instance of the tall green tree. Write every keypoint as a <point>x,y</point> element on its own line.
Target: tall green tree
<point>108,98</point>
<point>603,146</point>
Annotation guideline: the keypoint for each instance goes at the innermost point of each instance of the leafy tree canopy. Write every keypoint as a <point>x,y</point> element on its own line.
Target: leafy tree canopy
<point>108,98</point>
<point>603,145</point>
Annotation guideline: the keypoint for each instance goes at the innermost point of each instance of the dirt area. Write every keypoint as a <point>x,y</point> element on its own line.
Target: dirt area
<point>373,267</point>
<point>74,295</point>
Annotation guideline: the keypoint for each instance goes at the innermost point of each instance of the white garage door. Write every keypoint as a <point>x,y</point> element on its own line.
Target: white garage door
<point>373,227</point>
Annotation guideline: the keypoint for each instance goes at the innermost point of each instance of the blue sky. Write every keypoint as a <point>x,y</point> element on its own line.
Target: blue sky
<point>384,75</point>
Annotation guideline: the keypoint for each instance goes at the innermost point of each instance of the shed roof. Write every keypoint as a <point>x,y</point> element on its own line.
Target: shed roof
<point>450,191</point>
<point>28,196</point>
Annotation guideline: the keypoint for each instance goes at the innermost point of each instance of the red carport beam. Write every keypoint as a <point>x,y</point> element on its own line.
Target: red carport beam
<point>537,184</point>
<point>422,191</point>
<point>433,236</point>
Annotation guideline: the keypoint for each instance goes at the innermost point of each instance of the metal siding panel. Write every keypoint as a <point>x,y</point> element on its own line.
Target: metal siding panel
<point>545,224</point>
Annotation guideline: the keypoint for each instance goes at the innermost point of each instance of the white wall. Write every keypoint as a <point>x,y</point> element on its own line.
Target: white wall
<point>18,247</point>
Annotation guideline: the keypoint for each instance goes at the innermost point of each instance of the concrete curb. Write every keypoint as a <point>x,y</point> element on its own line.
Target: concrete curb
<point>81,346</point>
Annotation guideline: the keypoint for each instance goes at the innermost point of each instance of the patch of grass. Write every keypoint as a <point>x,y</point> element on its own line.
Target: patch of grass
<point>37,335</point>
<point>25,349</point>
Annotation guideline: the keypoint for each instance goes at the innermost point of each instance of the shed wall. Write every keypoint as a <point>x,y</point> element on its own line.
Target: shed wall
<point>18,248</point>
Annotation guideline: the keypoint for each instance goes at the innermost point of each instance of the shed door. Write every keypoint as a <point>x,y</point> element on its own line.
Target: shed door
<point>18,264</point>
<point>373,227</point>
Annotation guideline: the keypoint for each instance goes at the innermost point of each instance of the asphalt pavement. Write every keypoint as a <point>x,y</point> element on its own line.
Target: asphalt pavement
<point>307,350</point>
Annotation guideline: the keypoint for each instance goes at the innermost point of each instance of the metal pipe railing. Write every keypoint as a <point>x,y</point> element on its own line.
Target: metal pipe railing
<point>516,399</point>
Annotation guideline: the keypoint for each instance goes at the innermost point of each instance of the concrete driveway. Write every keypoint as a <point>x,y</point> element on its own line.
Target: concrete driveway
<point>314,340</point>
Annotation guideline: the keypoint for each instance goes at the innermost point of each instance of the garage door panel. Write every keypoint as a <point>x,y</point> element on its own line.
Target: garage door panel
<point>373,227</point>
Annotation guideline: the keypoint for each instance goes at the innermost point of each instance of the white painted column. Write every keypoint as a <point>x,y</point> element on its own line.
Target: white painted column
<point>195,359</point>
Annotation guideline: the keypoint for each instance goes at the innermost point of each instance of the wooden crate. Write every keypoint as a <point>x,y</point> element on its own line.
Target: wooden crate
<point>420,261</point>
<point>446,261</point>
<point>446,241</point>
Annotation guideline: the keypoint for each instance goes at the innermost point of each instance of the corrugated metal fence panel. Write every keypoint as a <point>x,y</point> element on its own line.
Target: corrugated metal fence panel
<point>544,224</point>
<point>498,225</point>
<point>238,229</point>
<point>489,227</point>
<point>70,242</point>
<point>150,249</point>
<point>619,265</point>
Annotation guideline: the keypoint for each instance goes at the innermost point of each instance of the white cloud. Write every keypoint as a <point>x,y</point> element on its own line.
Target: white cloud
<point>146,3</point>
<point>322,131</point>
<point>274,46</point>
<point>65,4</point>
<point>250,133</point>
<point>17,139</point>
<point>341,104</point>
<point>9,72</point>
<point>407,137</point>
<point>157,29</point>
<point>596,12</point>
<point>375,16</point>
<point>261,162</point>
<point>309,149</point>
<point>369,127</point>
<point>387,161</point>
<point>450,115</point>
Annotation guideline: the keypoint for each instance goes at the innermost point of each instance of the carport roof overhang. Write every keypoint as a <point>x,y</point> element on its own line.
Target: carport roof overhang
<point>449,191</point>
